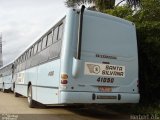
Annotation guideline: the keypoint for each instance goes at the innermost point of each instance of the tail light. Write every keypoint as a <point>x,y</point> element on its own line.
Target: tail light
<point>64,81</point>
<point>64,78</point>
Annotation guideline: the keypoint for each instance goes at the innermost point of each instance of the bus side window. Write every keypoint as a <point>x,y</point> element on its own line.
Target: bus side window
<point>35,48</point>
<point>49,41</point>
<point>22,59</point>
<point>44,42</point>
<point>32,51</point>
<point>60,32</point>
<point>39,46</point>
<point>55,35</point>
<point>19,59</point>
<point>25,56</point>
<point>28,54</point>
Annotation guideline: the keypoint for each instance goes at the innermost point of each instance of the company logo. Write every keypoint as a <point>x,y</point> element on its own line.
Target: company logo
<point>93,68</point>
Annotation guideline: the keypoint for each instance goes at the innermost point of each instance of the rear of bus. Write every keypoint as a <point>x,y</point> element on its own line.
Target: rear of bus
<point>107,70</point>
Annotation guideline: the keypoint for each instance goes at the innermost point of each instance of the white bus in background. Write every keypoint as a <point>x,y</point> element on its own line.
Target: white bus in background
<point>87,57</point>
<point>6,83</point>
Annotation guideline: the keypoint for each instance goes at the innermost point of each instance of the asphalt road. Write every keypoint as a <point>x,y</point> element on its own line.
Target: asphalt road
<point>12,108</point>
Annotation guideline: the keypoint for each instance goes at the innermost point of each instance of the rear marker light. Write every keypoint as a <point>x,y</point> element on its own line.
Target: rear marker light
<point>64,81</point>
<point>64,76</point>
<point>105,88</point>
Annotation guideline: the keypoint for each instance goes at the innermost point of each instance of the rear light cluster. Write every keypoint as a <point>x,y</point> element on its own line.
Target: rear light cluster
<point>64,78</point>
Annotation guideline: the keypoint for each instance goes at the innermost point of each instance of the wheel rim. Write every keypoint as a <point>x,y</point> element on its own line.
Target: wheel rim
<point>29,95</point>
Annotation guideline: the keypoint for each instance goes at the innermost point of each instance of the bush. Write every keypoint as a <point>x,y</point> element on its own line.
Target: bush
<point>149,64</point>
<point>147,20</point>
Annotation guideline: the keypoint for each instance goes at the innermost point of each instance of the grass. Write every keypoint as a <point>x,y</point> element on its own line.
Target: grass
<point>136,108</point>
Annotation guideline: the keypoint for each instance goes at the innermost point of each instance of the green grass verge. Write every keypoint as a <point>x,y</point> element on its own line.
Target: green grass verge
<point>136,108</point>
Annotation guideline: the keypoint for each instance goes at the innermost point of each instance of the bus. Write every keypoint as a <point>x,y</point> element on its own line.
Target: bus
<point>87,57</point>
<point>6,75</point>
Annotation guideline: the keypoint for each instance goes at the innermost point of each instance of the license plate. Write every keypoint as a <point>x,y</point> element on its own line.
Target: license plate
<point>106,97</point>
<point>105,89</point>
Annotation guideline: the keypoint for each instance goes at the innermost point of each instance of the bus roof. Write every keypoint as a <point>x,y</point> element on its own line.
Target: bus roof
<point>6,65</point>
<point>107,16</point>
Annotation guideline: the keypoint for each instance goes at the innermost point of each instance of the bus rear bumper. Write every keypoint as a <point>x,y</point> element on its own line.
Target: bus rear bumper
<point>98,98</point>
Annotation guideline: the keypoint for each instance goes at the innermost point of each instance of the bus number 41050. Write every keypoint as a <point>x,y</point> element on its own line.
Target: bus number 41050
<point>104,79</point>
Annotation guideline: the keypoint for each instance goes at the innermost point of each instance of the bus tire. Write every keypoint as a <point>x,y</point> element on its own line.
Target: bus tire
<point>13,88</point>
<point>31,102</point>
<point>16,94</point>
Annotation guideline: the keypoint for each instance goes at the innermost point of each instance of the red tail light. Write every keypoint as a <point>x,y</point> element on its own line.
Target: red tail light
<point>64,78</point>
<point>64,81</point>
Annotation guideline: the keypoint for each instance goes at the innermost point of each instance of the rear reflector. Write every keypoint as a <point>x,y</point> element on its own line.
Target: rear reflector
<point>64,81</point>
<point>105,88</point>
<point>64,78</point>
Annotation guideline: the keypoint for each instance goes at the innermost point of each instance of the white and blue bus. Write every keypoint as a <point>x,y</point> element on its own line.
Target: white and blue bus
<point>86,58</point>
<point>6,75</point>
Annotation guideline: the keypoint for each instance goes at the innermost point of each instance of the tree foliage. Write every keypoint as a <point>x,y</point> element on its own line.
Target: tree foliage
<point>124,12</point>
<point>147,20</point>
<point>100,5</point>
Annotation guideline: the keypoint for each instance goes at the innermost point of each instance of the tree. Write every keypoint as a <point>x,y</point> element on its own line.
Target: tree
<point>147,21</point>
<point>100,5</point>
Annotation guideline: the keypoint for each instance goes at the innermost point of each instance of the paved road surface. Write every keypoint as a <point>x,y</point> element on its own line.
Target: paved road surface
<point>12,108</point>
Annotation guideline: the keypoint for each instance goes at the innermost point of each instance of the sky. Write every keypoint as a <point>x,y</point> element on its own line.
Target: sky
<point>24,21</point>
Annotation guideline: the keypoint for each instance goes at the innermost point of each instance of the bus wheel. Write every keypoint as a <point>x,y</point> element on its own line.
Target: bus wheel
<point>31,102</point>
<point>15,94</point>
<point>13,87</point>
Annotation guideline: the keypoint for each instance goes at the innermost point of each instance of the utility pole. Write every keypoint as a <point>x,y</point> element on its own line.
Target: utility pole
<point>1,60</point>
